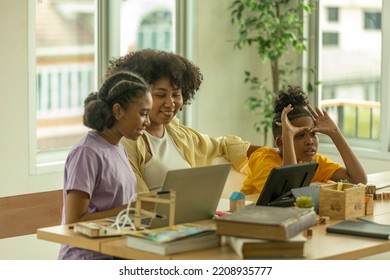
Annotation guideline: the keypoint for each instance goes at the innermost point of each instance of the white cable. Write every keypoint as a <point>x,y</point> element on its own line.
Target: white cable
<point>123,218</point>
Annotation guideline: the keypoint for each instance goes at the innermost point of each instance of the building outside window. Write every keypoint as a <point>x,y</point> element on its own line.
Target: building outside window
<point>65,57</point>
<point>350,58</point>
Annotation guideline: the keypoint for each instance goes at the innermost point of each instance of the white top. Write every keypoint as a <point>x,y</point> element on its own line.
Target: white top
<point>165,156</point>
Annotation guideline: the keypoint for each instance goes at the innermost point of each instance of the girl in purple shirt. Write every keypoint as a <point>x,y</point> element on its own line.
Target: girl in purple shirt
<point>98,179</point>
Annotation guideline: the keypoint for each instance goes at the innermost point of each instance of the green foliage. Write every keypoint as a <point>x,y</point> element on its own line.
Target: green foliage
<point>304,202</point>
<point>274,28</point>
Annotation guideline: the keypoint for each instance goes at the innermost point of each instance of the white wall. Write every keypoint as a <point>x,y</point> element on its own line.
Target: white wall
<point>219,106</point>
<point>220,102</point>
<point>14,121</point>
<point>14,140</point>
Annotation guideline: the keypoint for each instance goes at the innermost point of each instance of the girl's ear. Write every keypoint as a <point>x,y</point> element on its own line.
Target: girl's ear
<point>279,142</point>
<point>117,111</point>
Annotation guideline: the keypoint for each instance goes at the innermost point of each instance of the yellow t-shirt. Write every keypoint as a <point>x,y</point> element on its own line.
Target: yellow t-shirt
<point>264,159</point>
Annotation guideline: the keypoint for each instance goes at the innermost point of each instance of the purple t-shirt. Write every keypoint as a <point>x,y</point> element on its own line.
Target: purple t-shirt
<point>103,171</point>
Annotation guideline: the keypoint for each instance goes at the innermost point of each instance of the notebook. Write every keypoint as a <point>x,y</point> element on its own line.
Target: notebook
<point>198,191</point>
<point>366,229</point>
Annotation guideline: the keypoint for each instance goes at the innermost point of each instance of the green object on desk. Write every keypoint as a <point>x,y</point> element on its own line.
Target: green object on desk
<point>304,202</point>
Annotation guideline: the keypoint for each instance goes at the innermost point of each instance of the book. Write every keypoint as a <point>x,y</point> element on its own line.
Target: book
<point>366,229</point>
<point>248,248</point>
<point>176,239</point>
<point>266,222</point>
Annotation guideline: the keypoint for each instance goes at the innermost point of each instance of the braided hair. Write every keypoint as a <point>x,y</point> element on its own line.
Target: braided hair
<point>123,88</point>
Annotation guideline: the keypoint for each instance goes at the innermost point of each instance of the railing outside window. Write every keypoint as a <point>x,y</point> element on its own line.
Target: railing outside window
<point>61,90</point>
<point>355,118</point>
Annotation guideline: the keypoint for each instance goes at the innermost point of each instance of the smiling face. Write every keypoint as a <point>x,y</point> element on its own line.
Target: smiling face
<point>305,143</point>
<point>167,100</point>
<point>132,121</point>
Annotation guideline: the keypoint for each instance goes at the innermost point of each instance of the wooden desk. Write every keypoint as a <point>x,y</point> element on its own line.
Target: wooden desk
<point>380,179</point>
<point>321,245</point>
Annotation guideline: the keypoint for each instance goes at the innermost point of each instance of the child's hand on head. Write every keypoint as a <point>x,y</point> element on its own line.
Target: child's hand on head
<point>287,127</point>
<point>323,122</point>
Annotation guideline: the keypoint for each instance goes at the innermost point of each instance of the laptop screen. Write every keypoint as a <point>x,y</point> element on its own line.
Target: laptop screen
<point>198,191</point>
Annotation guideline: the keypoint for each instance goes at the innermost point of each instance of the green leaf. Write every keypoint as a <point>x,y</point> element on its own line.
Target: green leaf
<point>274,28</point>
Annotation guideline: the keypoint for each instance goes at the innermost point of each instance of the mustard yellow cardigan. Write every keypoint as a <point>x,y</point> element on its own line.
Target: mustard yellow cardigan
<point>198,149</point>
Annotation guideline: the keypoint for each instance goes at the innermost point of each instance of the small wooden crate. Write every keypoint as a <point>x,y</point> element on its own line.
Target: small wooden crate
<point>346,204</point>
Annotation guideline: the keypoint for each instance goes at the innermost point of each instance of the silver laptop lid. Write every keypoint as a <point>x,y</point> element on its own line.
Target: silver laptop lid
<point>198,191</point>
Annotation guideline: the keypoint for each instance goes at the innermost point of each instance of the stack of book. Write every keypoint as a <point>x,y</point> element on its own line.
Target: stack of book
<point>267,231</point>
<point>176,239</point>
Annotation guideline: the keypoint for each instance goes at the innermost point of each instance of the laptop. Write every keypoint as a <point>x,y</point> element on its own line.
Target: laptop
<point>198,191</point>
<point>277,190</point>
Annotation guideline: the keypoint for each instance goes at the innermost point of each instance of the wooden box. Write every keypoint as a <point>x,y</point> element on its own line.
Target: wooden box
<point>348,203</point>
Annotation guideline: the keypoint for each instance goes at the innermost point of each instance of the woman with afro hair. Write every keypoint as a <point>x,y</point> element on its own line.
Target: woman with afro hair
<point>295,127</point>
<point>167,144</point>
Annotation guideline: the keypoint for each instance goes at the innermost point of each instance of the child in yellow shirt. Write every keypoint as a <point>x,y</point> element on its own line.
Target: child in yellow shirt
<point>295,127</point>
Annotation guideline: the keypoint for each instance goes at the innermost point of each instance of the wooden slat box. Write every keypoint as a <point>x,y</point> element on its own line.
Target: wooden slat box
<point>343,205</point>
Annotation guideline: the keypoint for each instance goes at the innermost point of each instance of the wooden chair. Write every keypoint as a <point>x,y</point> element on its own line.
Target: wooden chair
<point>23,214</point>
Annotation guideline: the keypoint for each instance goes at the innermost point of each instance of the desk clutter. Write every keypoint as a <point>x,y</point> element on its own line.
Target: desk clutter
<point>260,232</point>
<point>253,232</point>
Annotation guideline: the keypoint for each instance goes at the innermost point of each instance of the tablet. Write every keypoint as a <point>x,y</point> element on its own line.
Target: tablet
<point>277,189</point>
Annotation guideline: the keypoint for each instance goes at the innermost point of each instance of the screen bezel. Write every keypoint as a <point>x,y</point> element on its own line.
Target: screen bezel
<point>277,189</point>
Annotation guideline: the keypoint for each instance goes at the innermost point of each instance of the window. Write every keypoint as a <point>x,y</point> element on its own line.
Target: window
<point>333,14</point>
<point>65,63</point>
<point>330,39</point>
<point>63,74</point>
<point>147,24</point>
<point>372,20</point>
<point>351,73</point>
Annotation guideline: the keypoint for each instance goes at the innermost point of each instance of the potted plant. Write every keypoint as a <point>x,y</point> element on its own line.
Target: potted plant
<point>274,28</point>
<point>304,202</point>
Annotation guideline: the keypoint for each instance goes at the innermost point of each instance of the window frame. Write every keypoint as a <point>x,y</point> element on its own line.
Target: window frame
<point>47,161</point>
<point>106,47</point>
<point>362,147</point>
<point>328,43</point>
<point>365,26</point>
<point>333,11</point>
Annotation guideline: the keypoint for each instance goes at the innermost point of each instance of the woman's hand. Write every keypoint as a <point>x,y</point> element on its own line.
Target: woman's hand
<point>324,123</point>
